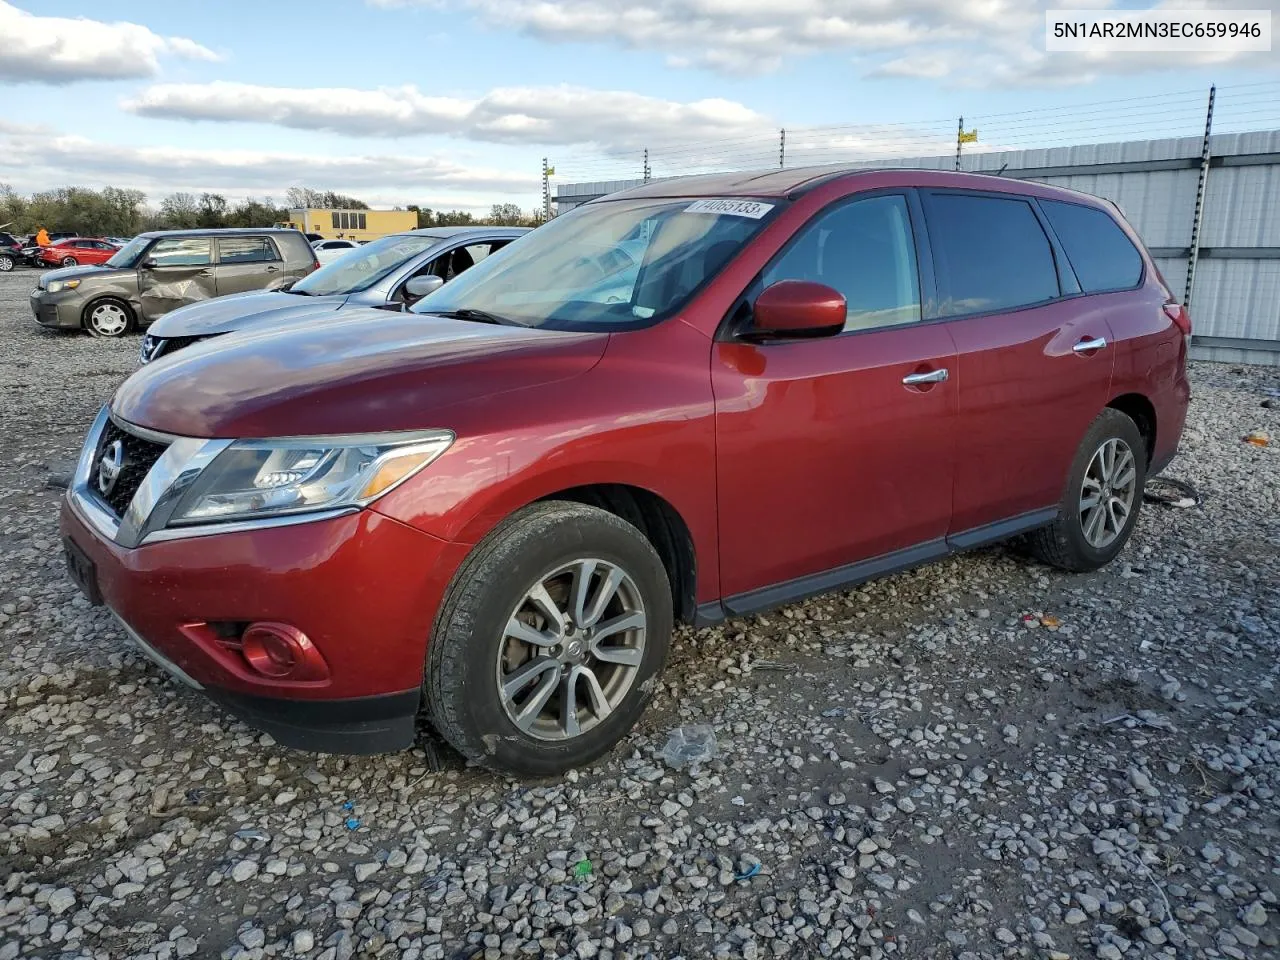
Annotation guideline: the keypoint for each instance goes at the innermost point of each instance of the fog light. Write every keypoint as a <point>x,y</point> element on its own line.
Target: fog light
<point>282,652</point>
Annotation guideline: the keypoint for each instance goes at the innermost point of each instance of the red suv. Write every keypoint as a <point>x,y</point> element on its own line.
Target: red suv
<point>690,401</point>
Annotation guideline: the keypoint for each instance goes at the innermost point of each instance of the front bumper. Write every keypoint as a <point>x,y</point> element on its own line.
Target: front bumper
<point>55,310</point>
<point>363,587</point>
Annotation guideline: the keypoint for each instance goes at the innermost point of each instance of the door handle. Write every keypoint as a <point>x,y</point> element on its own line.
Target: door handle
<point>272,269</point>
<point>933,376</point>
<point>1088,346</point>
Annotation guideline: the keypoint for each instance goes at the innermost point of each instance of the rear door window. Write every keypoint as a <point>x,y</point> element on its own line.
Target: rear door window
<point>1103,257</point>
<point>865,250</point>
<point>184,252</point>
<point>245,250</point>
<point>989,253</point>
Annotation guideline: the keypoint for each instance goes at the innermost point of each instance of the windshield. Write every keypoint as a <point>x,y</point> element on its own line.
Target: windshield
<point>364,266</point>
<point>607,266</point>
<point>127,256</point>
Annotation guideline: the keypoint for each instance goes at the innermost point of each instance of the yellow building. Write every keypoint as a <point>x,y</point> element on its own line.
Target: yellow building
<point>352,224</point>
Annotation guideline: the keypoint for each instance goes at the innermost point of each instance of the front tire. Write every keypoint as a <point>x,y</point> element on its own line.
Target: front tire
<point>549,638</point>
<point>70,262</point>
<point>108,318</point>
<point>1102,498</point>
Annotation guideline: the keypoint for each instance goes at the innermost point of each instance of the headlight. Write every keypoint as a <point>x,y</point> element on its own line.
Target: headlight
<point>263,478</point>
<point>56,285</point>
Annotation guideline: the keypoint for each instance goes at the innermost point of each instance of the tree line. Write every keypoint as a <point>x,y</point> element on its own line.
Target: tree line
<point>117,212</point>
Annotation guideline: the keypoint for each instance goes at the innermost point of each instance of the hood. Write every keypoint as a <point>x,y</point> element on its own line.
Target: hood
<point>242,311</point>
<point>71,273</point>
<point>365,371</point>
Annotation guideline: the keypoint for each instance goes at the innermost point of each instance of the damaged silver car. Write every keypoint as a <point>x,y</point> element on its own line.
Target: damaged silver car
<point>161,271</point>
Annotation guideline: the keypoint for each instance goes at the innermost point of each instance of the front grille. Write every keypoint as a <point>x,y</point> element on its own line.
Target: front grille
<point>154,347</point>
<point>139,456</point>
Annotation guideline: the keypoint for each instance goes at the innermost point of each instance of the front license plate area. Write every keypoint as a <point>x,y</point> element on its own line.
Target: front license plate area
<point>82,572</point>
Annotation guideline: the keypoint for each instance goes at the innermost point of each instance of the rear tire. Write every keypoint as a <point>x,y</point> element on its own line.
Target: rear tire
<point>108,318</point>
<point>1102,497</point>
<point>500,670</point>
<point>6,263</point>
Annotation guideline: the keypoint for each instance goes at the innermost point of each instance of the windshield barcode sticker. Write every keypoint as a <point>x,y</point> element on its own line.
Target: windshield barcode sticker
<point>731,208</point>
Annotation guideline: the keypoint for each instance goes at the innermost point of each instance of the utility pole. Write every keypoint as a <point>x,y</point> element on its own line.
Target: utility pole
<point>1193,253</point>
<point>646,165</point>
<point>959,140</point>
<point>782,148</point>
<point>546,191</point>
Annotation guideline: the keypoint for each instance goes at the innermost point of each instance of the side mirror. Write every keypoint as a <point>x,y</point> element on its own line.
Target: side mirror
<point>148,264</point>
<point>419,287</point>
<point>798,308</point>
<point>282,285</point>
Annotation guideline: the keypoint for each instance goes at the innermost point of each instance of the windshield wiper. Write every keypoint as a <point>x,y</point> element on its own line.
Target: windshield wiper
<point>479,316</point>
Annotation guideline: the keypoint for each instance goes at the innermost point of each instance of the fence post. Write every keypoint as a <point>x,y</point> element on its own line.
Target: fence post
<point>546,192</point>
<point>959,140</point>
<point>646,164</point>
<point>1193,253</point>
<point>782,148</point>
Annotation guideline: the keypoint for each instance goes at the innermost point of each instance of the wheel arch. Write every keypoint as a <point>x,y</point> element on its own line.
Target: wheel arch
<point>661,524</point>
<point>1142,412</point>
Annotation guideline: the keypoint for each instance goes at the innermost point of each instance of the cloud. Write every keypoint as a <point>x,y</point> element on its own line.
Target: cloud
<point>986,43</point>
<point>58,50</point>
<point>746,36</point>
<point>558,115</point>
<point>57,159</point>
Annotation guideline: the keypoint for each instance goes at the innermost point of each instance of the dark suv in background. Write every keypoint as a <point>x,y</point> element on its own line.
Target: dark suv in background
<point>158,272</point>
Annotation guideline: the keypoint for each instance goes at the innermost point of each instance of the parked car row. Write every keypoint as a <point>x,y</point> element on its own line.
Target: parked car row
<point>691,401</point>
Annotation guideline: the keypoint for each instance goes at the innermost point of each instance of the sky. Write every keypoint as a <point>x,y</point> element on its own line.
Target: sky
<point>455,104</point>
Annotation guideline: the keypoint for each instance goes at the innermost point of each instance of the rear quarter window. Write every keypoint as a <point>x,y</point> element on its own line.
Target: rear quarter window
<point>1103,257</point>
<point>294,247</point>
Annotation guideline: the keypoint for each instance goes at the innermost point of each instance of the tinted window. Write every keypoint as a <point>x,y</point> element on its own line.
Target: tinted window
<point>865,250</point>
<point>245,250</point>
<point>1102,256</point>
<point>186,252</point>
<point>990,254</point>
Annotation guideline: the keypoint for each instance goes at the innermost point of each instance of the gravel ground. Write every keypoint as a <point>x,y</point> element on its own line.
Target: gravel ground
<point>984,758</point>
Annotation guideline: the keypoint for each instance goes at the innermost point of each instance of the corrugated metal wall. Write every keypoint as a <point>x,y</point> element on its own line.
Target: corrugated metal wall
<point>1236,301</point>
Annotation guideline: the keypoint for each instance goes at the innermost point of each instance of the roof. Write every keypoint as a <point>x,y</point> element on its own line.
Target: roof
<point>219,232</point>
<point>795,180</point>
<point>449,232</point>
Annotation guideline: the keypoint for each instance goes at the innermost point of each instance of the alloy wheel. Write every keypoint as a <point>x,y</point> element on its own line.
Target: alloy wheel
<point>109,320</point>
<point>571,649</point>
<point>1107,493</point>
<point>6,264</point>
<point>70,261</point>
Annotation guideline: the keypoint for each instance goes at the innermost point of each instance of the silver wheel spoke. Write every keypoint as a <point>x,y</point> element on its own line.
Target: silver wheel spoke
<point>538,699</point>
<point>608,589</point>
<point>600,704</point>
<point>628,621</point>
<point>522,631</point>
<point>521,677</point>
<point>569,704</point>
<point>582,575</point>
<point>1089,502</point>
<point>627,656</point>
<point>542,600</point>
<point>1095,525</point>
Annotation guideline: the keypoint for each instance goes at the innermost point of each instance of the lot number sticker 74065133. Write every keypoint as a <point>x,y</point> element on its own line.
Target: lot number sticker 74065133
<point>732,208</point>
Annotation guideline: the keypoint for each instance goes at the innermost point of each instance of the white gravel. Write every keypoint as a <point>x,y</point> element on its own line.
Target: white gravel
<point>985,758</point>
